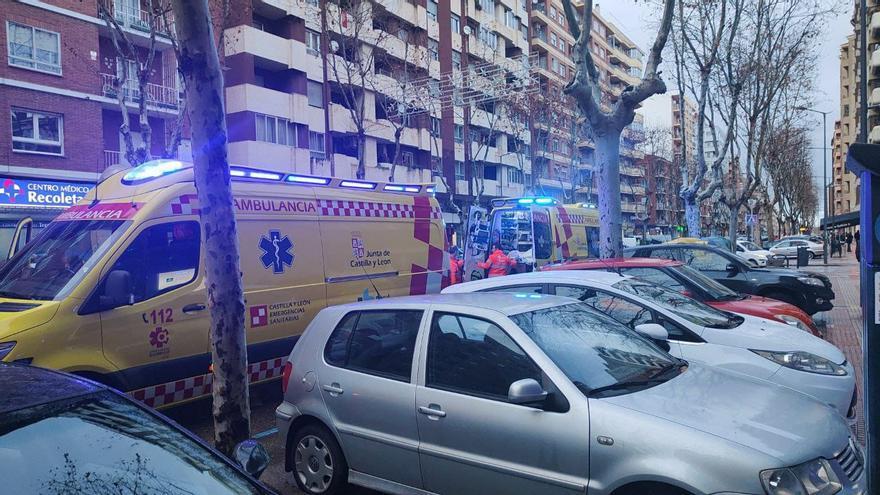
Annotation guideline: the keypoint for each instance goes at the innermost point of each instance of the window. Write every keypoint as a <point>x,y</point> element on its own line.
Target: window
<point>275,130</point>
<point>620,309</point>
<point>475,357</point>
<point>514,176</point>
<point>554,64</point>
<point>375,342</point>
<point>435,126</point>
<point>459,170</point>
<point>510,19</point>
<point>554,40</point>
<point>36,132</point>
<point>488,37</point>
<point>33,48</point>
<point>654,276</point>
<point>316,144</point>
<point>456,60</point>
<point>456,24</point>
<point>315,92</point>
<point>563,47</point>
<point>459,133</point>
<point>434,49</point>
<point>313,42</point>
<point>162,258</point>
<point>432,10</point>
<point>705,260</point>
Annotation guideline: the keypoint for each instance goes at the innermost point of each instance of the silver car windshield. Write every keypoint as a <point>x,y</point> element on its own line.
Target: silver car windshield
<point>593,350</point>
<point>683,306</point>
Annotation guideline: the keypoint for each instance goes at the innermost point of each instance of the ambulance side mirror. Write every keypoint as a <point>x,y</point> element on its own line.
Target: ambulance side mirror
<point>117,290</point>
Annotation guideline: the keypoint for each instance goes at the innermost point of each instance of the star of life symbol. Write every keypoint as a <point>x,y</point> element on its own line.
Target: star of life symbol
<point>276,251</point>
<point>159,337</point>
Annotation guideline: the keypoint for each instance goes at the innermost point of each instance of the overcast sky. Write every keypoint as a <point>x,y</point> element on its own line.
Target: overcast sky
<point>639,24</point>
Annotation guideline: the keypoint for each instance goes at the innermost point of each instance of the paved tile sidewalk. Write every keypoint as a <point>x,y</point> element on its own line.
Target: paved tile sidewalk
<point>843,324</point>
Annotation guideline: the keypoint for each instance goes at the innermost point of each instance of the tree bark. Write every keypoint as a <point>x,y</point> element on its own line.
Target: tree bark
<point>200,66</point>
<point>362,158</point>
<point>692,215</point>
<point>732,227</point>
<point>610,222</point>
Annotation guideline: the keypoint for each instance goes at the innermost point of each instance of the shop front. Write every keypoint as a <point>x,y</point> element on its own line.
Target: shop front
<point>29,204</point>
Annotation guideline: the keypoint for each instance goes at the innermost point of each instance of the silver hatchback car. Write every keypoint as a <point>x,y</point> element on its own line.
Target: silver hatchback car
<point>529,394</point>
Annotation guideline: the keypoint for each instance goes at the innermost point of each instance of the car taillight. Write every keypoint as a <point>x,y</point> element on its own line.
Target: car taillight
<point>285,376</point>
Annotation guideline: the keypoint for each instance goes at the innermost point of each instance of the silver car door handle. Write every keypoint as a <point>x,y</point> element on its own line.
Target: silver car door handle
<point>334,389</point>
<point>433,411</point>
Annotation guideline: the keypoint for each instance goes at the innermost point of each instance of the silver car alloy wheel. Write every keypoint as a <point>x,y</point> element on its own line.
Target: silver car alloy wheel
<point>313,463</point>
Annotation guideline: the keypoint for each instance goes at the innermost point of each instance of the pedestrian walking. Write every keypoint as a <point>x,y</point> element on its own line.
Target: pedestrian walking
<point>498,263</point>
<point>849,239</point>
<point>835,245</point>
<point>856,238</point>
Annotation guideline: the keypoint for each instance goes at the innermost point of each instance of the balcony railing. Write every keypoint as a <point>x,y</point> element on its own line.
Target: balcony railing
<point>157,94</point>
<point>130,15</point>
<point>112,158</point>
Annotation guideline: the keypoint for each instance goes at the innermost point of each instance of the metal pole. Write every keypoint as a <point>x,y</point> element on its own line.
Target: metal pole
<point>825,185</point>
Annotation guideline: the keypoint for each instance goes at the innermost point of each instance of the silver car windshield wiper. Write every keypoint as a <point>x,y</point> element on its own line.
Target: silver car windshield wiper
<point>655,378</point>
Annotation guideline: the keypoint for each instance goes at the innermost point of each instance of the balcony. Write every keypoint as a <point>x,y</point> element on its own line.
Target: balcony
<point>874,137</point>
<point>874,99</point>
<point>112,158</point>
<point>632,171</point>
<point>157,95</point>
<point>875,60</point>
<point>875,24</point>
<point>129,14</point>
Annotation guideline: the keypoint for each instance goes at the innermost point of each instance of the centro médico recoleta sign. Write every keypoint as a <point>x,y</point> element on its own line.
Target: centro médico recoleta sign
<point>41,193</point>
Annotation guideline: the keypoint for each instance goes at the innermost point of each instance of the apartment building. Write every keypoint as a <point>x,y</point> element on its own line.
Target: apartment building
<point>62,116</point>
<point>843,194</point>
<point>665,208</point>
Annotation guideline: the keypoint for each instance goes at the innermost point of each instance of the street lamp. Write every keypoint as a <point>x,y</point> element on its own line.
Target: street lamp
<point>825,208</point>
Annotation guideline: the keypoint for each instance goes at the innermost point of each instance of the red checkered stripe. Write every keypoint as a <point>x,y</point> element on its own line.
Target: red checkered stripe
<point>197,386</point>
<point>345,208</point>
<point>187,204</point>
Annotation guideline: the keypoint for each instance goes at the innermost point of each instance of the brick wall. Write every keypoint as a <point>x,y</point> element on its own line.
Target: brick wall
<point>83,141</point>
<point>78,40</point>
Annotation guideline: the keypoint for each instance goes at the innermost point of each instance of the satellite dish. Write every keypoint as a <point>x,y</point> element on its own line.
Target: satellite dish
<point>467,30</point>
<point>334,46</point>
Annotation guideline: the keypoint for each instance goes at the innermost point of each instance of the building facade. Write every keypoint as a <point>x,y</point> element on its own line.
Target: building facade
<point>409,88</point>
<point>843,193</point>
<point>62,117</point>
<point>665,209</point>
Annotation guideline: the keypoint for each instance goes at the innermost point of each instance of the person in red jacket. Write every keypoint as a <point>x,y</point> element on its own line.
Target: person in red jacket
<point>456,267</point>
<point>498,263</point>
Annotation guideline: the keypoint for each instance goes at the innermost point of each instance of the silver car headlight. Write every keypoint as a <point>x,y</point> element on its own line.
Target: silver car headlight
<point>6,348</point>
<point>811,281</point>
<point>803,361</point>
<point>810,478</point>
<point>791,320</point>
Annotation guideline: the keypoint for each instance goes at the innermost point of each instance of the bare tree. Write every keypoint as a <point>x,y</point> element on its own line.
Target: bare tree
<point>607,126</point>
<point>769,64</point>
<point>357,36</point>
<point>789,167</point>
<point>702,33</point>
<point>157,22</point>
<point>200,66</point>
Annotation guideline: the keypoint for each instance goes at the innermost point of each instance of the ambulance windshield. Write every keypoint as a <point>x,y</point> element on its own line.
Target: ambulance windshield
<point>52,264</point>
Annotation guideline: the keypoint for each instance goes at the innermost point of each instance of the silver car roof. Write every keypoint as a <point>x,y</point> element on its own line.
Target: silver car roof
<point>503,302</point>
<point>594,277</point>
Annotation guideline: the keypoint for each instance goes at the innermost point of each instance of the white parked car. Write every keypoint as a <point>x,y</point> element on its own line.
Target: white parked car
<point>754,254</point>
<point>753,346</point>
<point>789,247</point>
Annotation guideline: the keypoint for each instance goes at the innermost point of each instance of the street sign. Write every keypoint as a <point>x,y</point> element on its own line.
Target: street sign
<point>751,220</point>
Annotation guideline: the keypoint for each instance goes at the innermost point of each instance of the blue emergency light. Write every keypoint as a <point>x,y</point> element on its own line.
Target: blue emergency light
<point>307,179</point>
<point>152,169</point>
<point>358,184</point>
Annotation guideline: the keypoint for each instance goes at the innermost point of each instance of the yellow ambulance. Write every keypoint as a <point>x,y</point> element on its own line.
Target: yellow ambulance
<point>114,288</point>
<point>538,230</point>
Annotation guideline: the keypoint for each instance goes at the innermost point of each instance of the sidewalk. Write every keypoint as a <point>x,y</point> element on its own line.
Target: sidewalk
<point>843,324</point>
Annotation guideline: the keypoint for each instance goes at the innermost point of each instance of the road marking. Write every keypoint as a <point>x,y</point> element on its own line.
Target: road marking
<point>264,434</point>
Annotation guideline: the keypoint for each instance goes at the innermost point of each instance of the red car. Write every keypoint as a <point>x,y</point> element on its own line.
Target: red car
<point>678,276</point>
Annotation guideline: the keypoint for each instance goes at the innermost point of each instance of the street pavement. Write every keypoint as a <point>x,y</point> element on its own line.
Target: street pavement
<point>842,326</point>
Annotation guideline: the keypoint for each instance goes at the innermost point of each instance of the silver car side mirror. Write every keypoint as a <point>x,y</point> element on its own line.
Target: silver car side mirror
<point>252,457</point>
<point>526,391</point>
<point>653,331</point>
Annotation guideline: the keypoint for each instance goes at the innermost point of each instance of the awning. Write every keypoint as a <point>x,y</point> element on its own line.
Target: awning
<point>850,219</point>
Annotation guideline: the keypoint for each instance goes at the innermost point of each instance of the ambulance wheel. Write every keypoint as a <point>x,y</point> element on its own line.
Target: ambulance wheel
<point>319,467</point>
